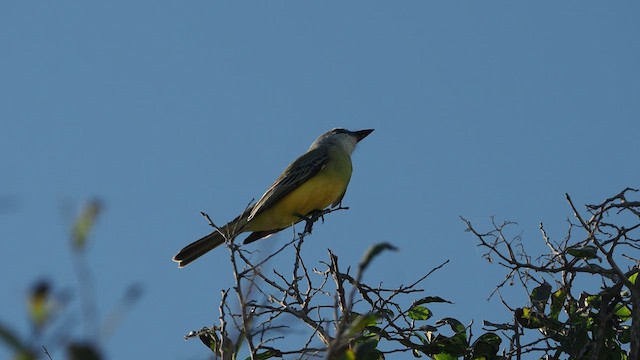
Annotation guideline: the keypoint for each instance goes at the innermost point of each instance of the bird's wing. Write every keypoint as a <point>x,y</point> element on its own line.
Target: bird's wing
<point>301,170</point>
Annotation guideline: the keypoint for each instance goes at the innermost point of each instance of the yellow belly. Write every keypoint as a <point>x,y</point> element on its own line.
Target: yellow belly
<point>317,193</point>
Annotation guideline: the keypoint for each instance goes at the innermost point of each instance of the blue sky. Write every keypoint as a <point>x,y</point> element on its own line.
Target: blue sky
<point>163,109</point>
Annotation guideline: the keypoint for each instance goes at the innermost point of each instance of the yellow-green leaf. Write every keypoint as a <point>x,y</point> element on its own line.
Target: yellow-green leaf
<point>419,313</point>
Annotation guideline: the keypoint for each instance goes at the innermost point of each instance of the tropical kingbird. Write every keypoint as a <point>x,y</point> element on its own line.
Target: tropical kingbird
<point>311,183</point>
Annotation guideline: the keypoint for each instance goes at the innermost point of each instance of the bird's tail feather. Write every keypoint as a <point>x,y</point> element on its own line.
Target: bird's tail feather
<point>198,248</point>
<point>207,243</point>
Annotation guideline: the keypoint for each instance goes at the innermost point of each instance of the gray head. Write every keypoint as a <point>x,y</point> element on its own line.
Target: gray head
<point>343,138</point>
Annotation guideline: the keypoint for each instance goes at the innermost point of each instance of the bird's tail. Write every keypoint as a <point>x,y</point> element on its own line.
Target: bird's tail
<point>198,248</point>
<point>207,243</point>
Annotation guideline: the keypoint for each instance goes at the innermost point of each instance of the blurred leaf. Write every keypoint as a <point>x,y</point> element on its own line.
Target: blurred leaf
<point>25,356</point>
<point>373,252</point>
<point>584,252</point>
<point>633,278</point>
<point>486,346</point>
<point>83,351</point>
<point>360,322</point>
<point>557,302</point>
<point>419,313</point>
<point>11,339</point>
<point>40,305</point>
<point>129,298</point>
<point>133,292</point>
<point>539,296</point>
<point>378,331</point>
<point>624,336</point>
<point>348,355</point>
<point>84,224</point>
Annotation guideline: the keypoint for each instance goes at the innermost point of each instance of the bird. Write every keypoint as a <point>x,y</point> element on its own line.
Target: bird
<point>311,183</point>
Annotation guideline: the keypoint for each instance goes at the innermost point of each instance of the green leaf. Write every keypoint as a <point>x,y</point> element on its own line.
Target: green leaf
<point>593,301</point>
<point>374,251</point>
<point>377,331</point>
<point>366,350</point>
<point>443,347</point>
<point>455,325</point>
<point>584,252</point>
<point>557,302</point>
<point>431,299</point>
<point>623,312</point>
<point>528,318</point>
<point>444,356</point>
<point>486,346</point>
<point>210,340</point>
<point>419,313</point>
<point>271,353</point>
<point>539,296</point>
<point>633,278</point>
<point>360,323</point>
<point>455,345</point>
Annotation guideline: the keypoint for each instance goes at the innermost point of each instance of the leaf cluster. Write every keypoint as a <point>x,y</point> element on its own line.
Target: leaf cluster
<point>569,321</point>
<point>346,318</point>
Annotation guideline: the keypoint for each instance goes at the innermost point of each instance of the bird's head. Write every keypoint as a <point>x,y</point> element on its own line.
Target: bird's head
<point>343,138</point>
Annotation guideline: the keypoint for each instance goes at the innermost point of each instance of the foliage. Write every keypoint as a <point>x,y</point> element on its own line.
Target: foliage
<point>51,318</point>
<point>346,318</point>
<point>355,320</point>
<point>563,319</point>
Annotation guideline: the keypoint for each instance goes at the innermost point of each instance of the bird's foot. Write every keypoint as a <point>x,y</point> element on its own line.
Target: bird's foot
<point>316,215</point>
<point>310,219</point>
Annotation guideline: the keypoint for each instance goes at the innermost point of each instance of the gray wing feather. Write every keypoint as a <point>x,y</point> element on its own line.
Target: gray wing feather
<point>301,170</point>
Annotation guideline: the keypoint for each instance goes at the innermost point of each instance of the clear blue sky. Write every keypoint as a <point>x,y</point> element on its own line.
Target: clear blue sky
<point>163,109</point>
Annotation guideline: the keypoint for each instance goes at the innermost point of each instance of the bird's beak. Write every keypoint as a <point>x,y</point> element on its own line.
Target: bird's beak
<point>361,134</point>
